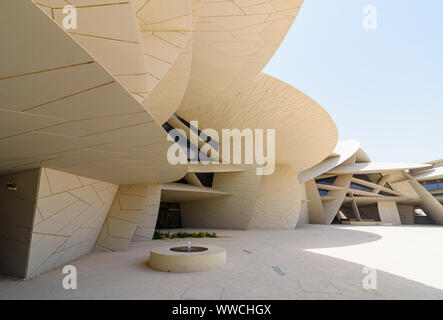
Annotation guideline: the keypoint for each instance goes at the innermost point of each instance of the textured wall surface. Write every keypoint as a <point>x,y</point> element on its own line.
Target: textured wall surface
<point>134,208</point>
<point>148,219</point>
<point>72,111</point>
<point>406,214</point>
<point>324,212</point>
<point>227,212</point>
<point>16,216</point>
<point>315,204</point>
<point>332,207</point>
<point>388,212</point>
<point>117,46</point>
<point>69,214</point>
<point>279,202</point>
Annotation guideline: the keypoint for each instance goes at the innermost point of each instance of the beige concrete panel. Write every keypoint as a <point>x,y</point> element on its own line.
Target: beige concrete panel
<point>388,212</point>
<point>230,212</point>
<point>53,203</point>
<point>178,192</point>
<point>163,259</point>
<point>50,84</point>
<point>315,205</point>
<point>164,15</point>
<point>57,92</point>
<point>146,224</point>
<point>107,98</point>
<point>43,253</point>
<point>272,104</point>
<point>377,187</point>
<point>165,97</point>
<point>34,144</point>
<point>165,27</point>
<point>355,209</point>
<point>279,202</point>
<point>435,173</point>
<point>376,167</point>
<point>59,4</point>
<point>68,219</point>
<point>43,46</point>
<point>342,152</point>
<point>17,209</point>
<point>362,156</point>
<point>365,201</point>
<point>232,43</point>
<point>192,179</point>
<point>217,168</point>
<point>369,213</point>
<point>432,207</point>
<point>60,181</point>
<point>13,123</point>
<point>58,221</point>
<point>129,216</point>
<point>436,163</point>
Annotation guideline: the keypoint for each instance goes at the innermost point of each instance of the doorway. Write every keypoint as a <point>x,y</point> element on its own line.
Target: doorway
<point>169,216</point>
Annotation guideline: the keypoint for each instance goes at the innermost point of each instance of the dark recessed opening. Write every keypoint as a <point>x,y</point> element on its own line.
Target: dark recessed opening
<point>186,249</point>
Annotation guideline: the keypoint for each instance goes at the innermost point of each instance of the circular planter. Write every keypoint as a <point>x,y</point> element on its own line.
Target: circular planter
<point>176,258</point>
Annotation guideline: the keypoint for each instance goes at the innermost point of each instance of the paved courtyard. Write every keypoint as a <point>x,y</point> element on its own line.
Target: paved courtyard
<point>317,262</point>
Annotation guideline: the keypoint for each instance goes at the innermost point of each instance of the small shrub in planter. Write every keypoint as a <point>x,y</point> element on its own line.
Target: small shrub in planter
<point>167,235</point>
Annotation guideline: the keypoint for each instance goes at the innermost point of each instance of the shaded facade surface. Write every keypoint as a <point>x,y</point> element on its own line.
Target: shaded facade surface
<point>87,117</point>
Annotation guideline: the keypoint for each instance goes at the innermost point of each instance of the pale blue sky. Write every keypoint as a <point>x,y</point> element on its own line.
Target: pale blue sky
<point>383,87</point>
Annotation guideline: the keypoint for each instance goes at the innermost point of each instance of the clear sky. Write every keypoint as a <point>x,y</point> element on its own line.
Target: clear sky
<point>383,87</point>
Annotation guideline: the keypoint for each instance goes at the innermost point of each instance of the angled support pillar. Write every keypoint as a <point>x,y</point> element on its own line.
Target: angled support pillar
<point>355,209</point>
<point>133,213</point>
<point>388,212</point>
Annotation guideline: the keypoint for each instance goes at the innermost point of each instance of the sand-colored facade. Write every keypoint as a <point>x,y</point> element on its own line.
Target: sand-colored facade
<point>85,115</point>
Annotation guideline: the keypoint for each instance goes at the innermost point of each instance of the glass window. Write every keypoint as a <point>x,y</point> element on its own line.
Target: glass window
<point>328,181</point>
<point>432,184</point>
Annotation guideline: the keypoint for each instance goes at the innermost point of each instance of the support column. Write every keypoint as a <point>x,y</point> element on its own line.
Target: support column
<point>49,218</point>
<point>134,208</point>
<point>388,212</point>
<point>432,207</point>
<point>355,209</point>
